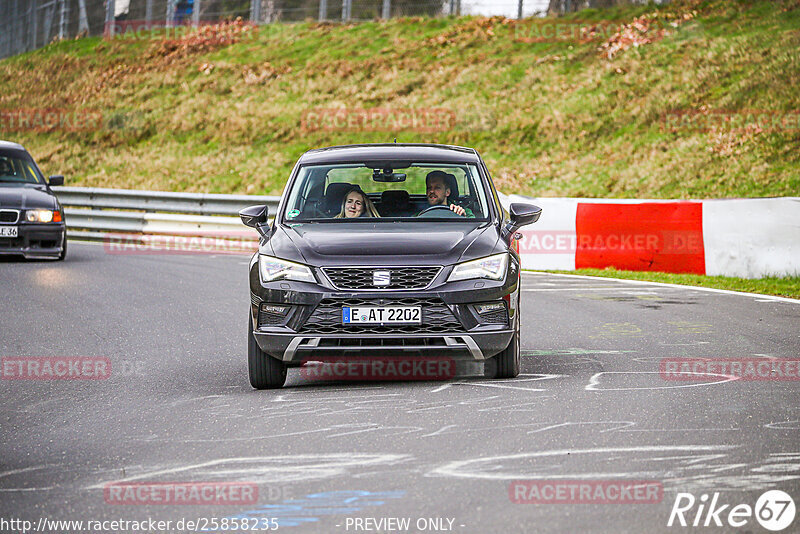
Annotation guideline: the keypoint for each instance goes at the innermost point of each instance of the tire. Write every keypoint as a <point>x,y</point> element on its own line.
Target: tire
<point>265,371</point>
<point>63,249</point>
<point>508,361</point>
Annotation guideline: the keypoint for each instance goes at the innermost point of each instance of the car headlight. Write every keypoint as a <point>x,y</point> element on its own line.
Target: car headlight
<point>272,269</point>
<point>42,216</point>
<point>491,267</point>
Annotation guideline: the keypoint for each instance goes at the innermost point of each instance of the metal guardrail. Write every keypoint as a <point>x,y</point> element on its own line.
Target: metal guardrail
<point>94,213</point>
<point>152,201</point>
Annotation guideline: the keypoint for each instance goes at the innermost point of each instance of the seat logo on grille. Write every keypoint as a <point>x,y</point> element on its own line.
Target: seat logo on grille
<point>381,278</point>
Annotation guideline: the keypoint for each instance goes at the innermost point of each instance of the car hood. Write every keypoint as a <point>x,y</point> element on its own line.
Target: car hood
<point>383,243</point>
<point>26,196</point>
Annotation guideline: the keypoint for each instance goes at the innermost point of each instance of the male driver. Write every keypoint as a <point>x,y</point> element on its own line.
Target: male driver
<point>438,192</point>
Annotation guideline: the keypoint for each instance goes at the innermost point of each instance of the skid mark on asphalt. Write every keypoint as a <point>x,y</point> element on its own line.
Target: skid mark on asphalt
<point>268,469</point>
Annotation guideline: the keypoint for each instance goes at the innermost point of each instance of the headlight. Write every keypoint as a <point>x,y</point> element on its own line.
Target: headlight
<point>491,267</point>
<point>277,269</point>
<point>42,216</point>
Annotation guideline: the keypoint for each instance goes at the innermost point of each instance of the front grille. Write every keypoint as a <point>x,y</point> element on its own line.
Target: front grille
<point>400,277</point>
<point>436,317</point>
<point>9,216</point>
<point>15,242</point>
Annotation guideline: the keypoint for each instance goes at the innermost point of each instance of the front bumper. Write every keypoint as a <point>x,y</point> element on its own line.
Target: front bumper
<point>35,240</point>
<point>312,329</point>
<point>298,348</point>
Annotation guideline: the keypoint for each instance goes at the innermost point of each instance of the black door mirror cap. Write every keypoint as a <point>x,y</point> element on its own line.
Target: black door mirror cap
<point>56,179</point>
<point>522,214</point>
<point>255,217</point>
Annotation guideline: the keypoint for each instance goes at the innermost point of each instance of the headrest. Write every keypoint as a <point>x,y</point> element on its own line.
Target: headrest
<point>395,196</point>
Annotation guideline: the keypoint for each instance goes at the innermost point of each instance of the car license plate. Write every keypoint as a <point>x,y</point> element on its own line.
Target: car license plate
<point>8,231</point>
<point>382,315</point>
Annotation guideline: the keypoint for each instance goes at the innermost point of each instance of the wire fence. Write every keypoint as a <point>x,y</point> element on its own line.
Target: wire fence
<point>29,24</point>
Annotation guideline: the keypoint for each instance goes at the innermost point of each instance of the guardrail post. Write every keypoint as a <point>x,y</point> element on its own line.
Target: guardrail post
<point>323,10</point>
<point>62,21</point>
<point>109,18</point>
<point>255,11</point>
<point>387,9</point>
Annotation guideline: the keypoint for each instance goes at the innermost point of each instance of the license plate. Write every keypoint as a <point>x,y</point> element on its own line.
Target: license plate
<point>382,315</point>
<point>8,231</point>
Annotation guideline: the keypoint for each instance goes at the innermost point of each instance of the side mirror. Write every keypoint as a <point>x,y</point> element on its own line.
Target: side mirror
<point>521,214</point>
<point>56,179</point>
<point>255,217</point>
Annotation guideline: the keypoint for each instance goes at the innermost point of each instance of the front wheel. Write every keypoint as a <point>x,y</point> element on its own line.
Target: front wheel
<point>63,248</point>
<point>508,361</point>
<point>265,371</point>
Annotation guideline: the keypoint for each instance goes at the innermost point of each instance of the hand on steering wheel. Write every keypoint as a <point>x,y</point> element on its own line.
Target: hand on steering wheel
<point>458,210</point>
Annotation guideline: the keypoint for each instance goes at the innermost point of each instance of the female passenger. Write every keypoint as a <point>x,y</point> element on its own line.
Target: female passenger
<point>356,204</point>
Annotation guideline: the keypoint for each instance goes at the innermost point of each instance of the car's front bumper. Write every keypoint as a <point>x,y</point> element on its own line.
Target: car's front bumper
<point>35,240</point>
<point>294,348</point>
<point>451,326</point>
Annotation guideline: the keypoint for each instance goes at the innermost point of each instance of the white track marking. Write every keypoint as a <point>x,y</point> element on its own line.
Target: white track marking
<point>272,469</point>
<point>571,289</point>
<point>757,296</point>
<point>473,468</point>
<point>595,380</point>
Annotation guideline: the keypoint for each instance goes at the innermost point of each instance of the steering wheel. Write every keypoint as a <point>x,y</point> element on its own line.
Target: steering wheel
<point>442,209</point>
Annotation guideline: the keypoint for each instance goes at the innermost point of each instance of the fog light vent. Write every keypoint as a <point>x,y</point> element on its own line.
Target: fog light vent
<point>492,312</point>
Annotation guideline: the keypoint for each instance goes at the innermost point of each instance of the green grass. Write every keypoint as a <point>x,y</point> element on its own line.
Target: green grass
<point>550,118</point>
<point>787,286</point>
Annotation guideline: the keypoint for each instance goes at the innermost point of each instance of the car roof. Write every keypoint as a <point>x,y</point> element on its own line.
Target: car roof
<point>414,152</point>
<point>9,144</point>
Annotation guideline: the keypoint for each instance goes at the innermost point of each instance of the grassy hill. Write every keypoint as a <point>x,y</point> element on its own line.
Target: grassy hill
<point>557,107</point>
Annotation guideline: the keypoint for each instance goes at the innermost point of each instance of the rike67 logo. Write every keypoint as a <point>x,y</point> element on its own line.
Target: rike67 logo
<point>774,510</point>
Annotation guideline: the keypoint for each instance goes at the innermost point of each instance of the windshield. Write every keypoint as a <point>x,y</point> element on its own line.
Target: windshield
<point>17,168</point>
<point>374,191</point>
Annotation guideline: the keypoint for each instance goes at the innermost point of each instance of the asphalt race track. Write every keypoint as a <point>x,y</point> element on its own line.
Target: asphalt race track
<point>591,404</point>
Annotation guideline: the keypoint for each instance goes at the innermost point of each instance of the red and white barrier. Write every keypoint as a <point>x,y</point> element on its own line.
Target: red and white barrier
<point>747,238</point>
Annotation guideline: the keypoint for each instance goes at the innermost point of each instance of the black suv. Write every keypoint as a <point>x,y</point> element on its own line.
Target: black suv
<point>385,249</point>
